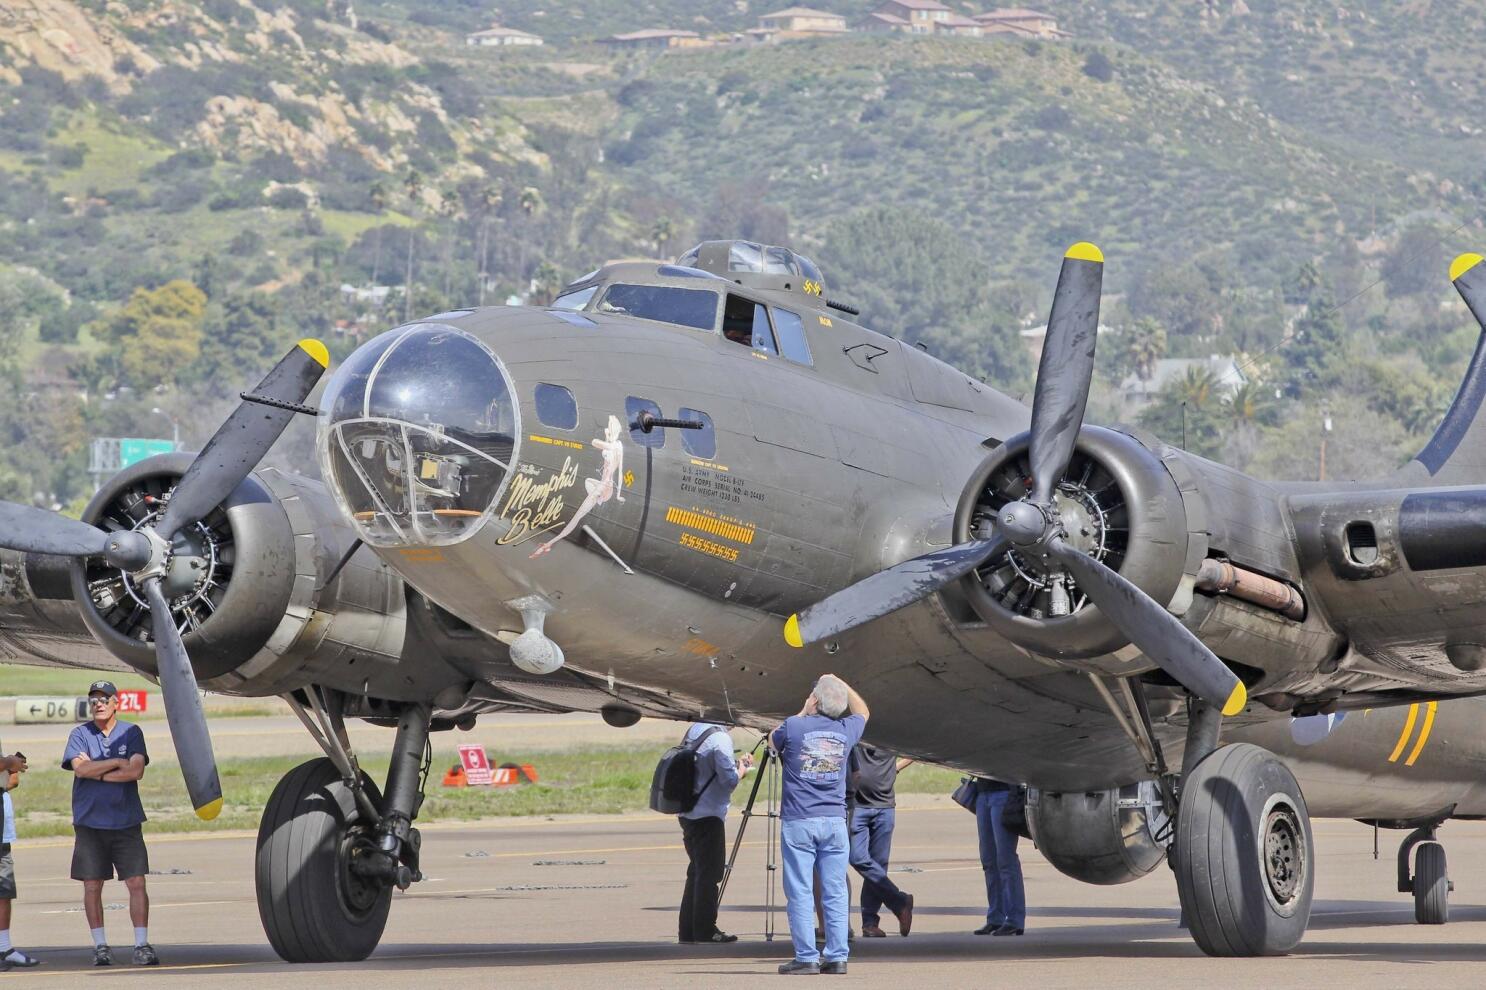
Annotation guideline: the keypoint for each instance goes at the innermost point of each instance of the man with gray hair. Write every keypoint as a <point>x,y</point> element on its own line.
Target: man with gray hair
<point>813,747</point>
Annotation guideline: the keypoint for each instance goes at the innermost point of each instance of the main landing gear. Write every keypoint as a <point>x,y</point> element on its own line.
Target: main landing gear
<point>1430,883</point>
<point>331,846</point>
<point>1244,856</point>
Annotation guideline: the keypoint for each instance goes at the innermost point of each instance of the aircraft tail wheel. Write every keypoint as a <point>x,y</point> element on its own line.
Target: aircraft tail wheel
<point>314,907</point>
<point>1431,885</point>
<point>1245,857</point>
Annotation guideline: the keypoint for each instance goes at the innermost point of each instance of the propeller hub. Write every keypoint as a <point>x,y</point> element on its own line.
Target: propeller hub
<point>1024,523</point>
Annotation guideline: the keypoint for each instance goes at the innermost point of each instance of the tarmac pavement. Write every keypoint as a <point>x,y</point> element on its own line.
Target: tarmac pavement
<point>591,901</point>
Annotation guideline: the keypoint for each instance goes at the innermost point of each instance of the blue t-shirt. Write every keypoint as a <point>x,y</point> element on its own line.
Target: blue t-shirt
<point>105,803</point>
<point>813,750</point>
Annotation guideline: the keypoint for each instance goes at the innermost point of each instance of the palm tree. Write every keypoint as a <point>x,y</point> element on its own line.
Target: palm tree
<point>412,185</point>
<point>491,198</point>
<point>1198,388</point>
<point>1147,345</point>
<point>378,198</point>
<point>548,283</point>
<point>661,233</point>
<point>449,210</point>
<point>530,202</point>
<point>1251,404</point>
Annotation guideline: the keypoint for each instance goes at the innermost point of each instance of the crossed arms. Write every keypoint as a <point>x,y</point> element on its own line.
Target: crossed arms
<point>114,771</point>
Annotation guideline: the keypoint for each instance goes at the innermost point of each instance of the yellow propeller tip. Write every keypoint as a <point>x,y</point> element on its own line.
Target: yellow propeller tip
<point>316,350</point>
<point>1237,700</point>
<point>1084,251</point>
<point>207,812</point>
<point>1463,264</point>
<point>792,632</point>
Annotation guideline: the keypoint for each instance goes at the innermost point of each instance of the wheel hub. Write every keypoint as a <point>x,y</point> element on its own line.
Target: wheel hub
<point>359,892</point>
<point>1284,853</point>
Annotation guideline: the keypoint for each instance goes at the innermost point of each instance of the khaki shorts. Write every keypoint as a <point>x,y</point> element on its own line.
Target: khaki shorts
<point>7,877</point>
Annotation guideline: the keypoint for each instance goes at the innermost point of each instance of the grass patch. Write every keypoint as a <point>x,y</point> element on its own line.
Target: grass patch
<point>348,225</point>
<point>114,160</point>
<point>64,682</point>
<point>593,780</point>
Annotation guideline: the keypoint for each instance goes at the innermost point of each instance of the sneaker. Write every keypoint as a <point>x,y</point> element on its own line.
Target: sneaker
<point>15,957</point>
<point>102,956</point>
<point>719,937</point>
<point>835,968</point>
<point>144,955</point>
<point>797,968</point>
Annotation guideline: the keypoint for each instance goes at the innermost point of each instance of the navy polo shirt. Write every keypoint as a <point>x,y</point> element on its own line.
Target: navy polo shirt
<point>105,803</point>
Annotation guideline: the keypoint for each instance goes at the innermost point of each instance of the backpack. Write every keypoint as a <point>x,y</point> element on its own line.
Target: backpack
<point>673,789</point>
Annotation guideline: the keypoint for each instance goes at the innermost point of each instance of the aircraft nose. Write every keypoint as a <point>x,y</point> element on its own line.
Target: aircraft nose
<point>417,435</point>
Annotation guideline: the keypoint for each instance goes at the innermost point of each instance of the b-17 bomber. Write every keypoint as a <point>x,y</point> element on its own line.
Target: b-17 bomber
<point>687,490</point>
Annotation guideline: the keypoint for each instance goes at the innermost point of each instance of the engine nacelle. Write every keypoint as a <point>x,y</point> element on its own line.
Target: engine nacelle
<point>1101,837</point>
<point>1117,500</point>
<point>246,585</point>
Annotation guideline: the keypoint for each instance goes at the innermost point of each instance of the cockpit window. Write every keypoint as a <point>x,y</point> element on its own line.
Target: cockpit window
<point>418,434</point>
<point>778,261</point>
<point>792,342</point>
<point>747,322</point>
<point>662,303</point>
<point>745,256</point>
<point>576,299</point>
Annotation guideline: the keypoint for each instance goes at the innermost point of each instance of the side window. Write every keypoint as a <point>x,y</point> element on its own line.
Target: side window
<point>698,443</point>
<point>575,300</point>
<point>792,342</point>
<point>747,322</point>
<point>662,303</point>
<point>656,438</point>
<point>556,407</point>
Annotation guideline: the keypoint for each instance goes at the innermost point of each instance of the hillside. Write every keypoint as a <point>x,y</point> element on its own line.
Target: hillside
<point>1238,165</point>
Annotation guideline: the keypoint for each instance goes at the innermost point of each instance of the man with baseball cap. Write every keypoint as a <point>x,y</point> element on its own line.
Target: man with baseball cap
<point>107,757</point>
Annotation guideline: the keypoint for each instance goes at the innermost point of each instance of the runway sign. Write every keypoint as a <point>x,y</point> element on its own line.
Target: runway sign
<point>34,710</point>
<point>476,764</point>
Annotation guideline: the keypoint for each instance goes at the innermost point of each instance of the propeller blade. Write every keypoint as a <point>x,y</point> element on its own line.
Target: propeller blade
<point>1469,276</point>
<point>193,743</point>
<point>1156,632</point>
<point>33,530</point>
<point>240,443</point>
<point>1066,368</point>
<point>889,590</point>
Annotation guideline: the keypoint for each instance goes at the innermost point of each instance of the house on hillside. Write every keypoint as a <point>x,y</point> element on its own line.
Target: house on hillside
<point>920,16</point>
<point>1140,392</point>
<point>799,22</point>
<point>960,25</point>
<point>655,38</point>
<point>884,23</point>
<point>1021,22</point>
<point>502,37</point>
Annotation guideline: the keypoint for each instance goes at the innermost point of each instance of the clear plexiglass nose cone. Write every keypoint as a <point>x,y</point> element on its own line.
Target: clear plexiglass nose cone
<point>417,434</point>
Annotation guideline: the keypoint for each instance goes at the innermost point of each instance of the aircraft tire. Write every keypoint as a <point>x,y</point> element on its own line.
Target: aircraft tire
<point>313,908</point>
<point>1244,858</point>
<point>1431,885</point>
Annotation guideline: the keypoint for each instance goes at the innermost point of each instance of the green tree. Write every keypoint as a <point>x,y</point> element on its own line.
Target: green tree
<point>241,334</point>
<point>1317,351</point>
<point>1189,412</point>
<point>1415,265</point>
<point>1143,344</point>
<point>661,233</point>
<point>412,185</point>
<point>157,333</point>
<point>916,279</point>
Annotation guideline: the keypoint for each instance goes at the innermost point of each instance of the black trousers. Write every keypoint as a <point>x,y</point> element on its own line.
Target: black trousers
<point>706,851</point>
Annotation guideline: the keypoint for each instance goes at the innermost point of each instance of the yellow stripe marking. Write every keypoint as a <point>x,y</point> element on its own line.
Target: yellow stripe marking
<point>316,350</point>
<point>1084,251</point>
<point>1429,711</point>
<point>1408,730</point>
<point>1463,264</point>
<point>695,520</point>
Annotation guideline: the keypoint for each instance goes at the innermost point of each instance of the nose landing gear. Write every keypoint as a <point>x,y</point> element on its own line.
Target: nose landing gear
<point>331,847</point>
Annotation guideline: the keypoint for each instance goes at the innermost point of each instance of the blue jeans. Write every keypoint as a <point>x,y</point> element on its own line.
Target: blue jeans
<point>1006,900</point>
<point>871,845</point>
<point>804,843</point>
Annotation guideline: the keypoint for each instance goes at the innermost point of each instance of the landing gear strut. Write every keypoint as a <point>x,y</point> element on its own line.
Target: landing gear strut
<point>1244,855</point>
<point>1430,883</point>
<point>331,847</point>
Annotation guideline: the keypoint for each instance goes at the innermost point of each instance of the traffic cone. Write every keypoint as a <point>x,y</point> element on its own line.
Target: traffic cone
<point>455,777</point>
